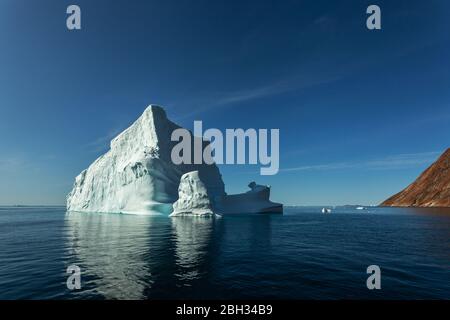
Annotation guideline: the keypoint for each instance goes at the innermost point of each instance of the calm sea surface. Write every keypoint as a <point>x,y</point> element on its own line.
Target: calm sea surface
<point>302,254</point>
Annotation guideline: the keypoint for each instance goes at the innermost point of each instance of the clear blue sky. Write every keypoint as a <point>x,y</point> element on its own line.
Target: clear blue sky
<point>360,113</point>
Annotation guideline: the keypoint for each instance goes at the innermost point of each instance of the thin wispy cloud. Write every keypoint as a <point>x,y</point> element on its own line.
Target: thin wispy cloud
<point>400,161</point>
<point>228,99</point>
<point>297,83</point>
<point>103,142</point>
<point>11,163</point>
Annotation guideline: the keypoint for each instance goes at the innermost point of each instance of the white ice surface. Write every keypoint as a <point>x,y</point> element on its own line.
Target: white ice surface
<point>193,197</point>
<point>137,175</point>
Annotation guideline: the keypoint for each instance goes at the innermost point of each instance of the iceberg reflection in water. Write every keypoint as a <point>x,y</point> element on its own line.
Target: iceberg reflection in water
<point>110,249</point>
<point>136,257</point>
<point>192,236</point>
<point>302,254</point>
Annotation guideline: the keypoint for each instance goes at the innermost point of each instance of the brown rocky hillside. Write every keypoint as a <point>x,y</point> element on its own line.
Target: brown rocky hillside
<point>431,188</point>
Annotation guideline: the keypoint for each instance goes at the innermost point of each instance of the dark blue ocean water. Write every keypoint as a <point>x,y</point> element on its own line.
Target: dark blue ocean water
<point>302,254</point>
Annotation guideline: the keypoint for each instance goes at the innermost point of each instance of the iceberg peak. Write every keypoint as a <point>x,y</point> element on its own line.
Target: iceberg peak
<point>155,111</point>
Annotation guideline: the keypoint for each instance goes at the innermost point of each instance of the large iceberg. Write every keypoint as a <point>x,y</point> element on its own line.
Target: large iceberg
<point>137,176</point>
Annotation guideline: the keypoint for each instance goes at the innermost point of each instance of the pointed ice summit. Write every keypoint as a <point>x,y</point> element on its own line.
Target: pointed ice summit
<point>138,176</point>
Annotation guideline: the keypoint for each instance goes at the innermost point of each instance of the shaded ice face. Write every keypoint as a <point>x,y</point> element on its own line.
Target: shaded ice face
<point>229,150</point>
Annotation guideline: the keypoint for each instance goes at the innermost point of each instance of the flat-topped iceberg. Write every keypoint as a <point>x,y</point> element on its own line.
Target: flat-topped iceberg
<point>137,176</point>
<point>256,200</point>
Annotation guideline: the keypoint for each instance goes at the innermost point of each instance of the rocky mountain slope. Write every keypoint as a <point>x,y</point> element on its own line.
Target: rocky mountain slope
<point>431,188</point>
